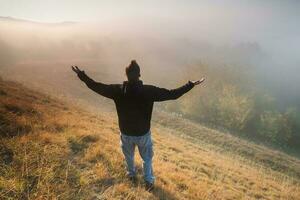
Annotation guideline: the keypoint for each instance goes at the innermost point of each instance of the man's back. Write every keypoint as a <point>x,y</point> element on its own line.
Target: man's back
<point>134,102</point>
<point>134,107</point>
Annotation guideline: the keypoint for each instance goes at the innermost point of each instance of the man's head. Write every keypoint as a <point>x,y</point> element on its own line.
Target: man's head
<point>133,71</point>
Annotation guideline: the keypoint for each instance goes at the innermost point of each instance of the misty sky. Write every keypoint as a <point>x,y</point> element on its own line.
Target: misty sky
<point>229,11</point>
<point>272,23</point>
<point>219,26</point>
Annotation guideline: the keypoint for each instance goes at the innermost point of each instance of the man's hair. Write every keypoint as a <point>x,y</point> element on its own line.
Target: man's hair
<point>133,71</point>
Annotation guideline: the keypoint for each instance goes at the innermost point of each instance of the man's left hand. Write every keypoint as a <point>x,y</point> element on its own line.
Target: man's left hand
<point>198,81</point>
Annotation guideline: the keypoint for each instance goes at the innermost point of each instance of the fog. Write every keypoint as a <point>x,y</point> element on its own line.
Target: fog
<point>258,37</point>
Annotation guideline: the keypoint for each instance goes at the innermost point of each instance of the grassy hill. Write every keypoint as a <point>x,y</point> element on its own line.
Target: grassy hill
<point>50,149</point>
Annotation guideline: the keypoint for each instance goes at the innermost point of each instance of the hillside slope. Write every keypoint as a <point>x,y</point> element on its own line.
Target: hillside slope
<point>54,150</point>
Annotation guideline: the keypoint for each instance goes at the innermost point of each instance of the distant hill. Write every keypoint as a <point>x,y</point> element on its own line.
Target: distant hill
<point>18,20</point>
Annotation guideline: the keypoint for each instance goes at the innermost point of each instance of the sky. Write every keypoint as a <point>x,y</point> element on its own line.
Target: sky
<point>272,23</point>
<point>87,10</point>
<point>277,15</point>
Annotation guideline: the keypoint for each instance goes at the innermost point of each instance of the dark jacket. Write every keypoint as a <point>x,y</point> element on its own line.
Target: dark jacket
<point>134,101</point>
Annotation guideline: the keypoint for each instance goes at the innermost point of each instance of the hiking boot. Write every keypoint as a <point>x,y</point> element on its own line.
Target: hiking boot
<point>149,186</point>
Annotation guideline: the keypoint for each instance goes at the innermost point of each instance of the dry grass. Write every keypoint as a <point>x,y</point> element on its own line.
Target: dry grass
<point>50,150</point>
<point>229,144</point>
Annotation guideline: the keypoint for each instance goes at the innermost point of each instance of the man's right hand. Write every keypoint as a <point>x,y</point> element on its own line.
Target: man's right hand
<point>198,81</point>
<point>81,74</point>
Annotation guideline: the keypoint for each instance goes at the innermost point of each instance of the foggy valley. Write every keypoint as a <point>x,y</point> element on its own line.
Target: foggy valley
<point>236,136</point>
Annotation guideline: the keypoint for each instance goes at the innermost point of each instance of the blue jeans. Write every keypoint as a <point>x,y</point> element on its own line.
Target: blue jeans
<point>145,147</point>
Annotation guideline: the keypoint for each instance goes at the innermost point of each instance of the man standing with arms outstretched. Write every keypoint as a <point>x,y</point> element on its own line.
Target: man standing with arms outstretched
<point>134,104</point>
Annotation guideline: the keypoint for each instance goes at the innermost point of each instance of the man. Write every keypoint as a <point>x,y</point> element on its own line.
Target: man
<point>134,103</point>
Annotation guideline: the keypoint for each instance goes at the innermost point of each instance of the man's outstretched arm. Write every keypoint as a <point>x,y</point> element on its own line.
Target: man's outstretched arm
<point>100,88</point>
<point>162,94</point>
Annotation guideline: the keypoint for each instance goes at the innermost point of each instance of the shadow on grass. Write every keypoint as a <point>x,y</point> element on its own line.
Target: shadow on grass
<point>102,185</point>
<point>76,145</point>
<point>158,192</point>
<point>162,194</point>
<point>106,182</point>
